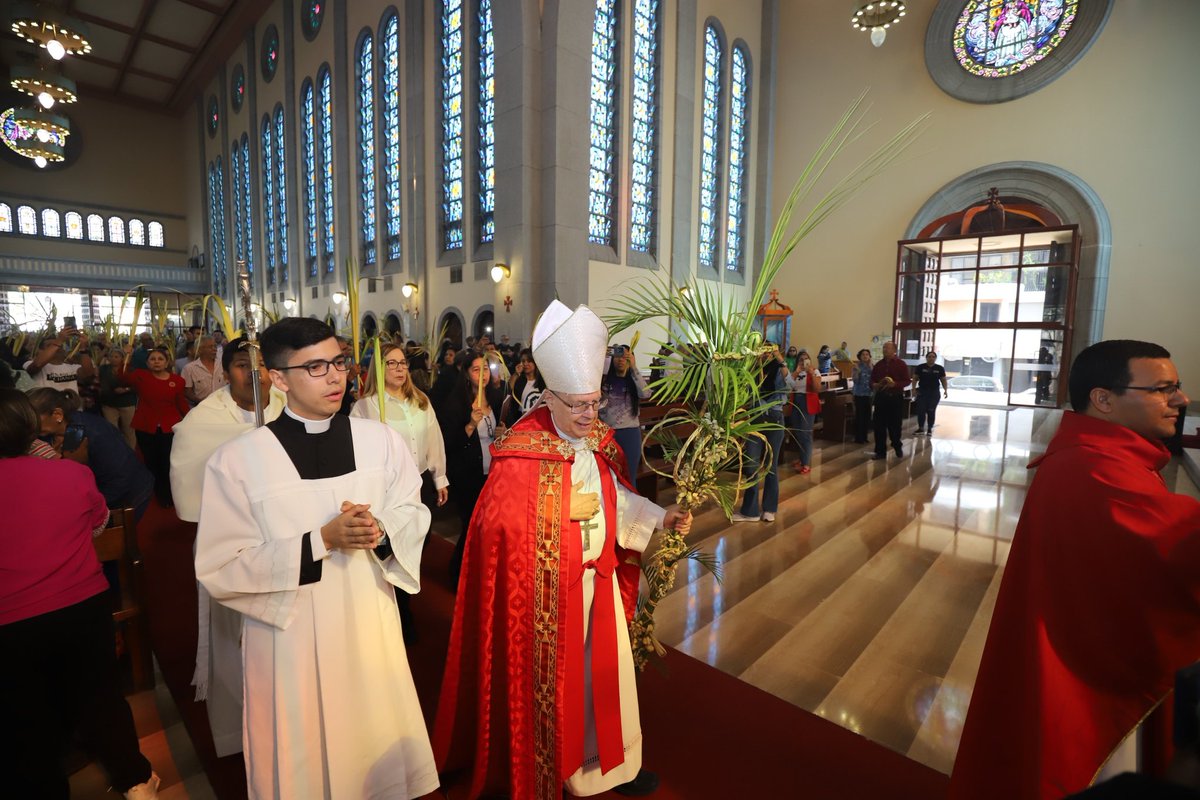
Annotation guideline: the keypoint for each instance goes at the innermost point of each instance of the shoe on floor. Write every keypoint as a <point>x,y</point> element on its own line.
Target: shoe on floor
<point>145,791</point>
<point>805,470</point>
<point>645,783</point>
<point>768,516</point>
<point>899,452</point>
<point>918,432</point>
<point>796,465</point>
<point>740,517</point>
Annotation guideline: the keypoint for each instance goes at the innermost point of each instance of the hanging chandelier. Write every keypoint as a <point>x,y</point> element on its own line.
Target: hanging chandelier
<point>35,134</point>
<point>45,86</point>
<point>46,27</point>
<point>877,17</point>
<point>46,127</point>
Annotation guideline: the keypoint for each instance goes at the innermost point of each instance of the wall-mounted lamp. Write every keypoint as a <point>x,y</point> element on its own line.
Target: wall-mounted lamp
<point>338,297</point>
<point>500,272</point>
<point>408,289</point>
<point>289,304</point>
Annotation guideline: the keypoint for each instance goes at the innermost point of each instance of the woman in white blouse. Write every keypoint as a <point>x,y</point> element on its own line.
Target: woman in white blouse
<point>409,413</point>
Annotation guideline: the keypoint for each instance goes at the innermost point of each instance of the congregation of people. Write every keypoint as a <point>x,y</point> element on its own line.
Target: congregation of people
<point>304,580</point>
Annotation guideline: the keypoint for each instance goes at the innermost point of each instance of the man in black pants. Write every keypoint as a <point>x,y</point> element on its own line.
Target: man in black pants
<point>888,379</point>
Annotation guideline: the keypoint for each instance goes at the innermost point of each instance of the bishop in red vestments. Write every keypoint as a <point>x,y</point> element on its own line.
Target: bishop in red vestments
<point>1100,601</point>
<point>539,691</point>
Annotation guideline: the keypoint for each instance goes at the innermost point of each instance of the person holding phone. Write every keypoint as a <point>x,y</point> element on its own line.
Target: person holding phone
<point>56,367</point>
<point>623,389</point>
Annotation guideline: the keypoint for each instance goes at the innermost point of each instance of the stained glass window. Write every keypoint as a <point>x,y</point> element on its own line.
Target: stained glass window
<point>6,218</point>
<point>27,220</point>
<point>137,232</point>
<point>710,146</point>
<point>308,121</point>
<point>486,104</point>
<point>95,228</point>
<point>389,42</point>
<point>643,175</point>
<point>247,205</point>
<point>237,88</point>
<point>268,206</point>
<point>998,38</point>
<point>366,146</point>
<point>452,124</point>
<point>235,177</point>
<point>116,230</point>
<point>156,234</point>
<point>214,115</point>
<point>73,220</point>
<point>325,111</point>
<point>312,14</point>
<point>281,196</point>
<point>739,121</point>
<point>602,154</point>
<point>270,53</point>
<point>216,224</point>
<point>51,223</point>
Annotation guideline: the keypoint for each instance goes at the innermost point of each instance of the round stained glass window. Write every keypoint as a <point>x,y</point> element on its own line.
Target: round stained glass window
<point>270,53</point>
<point>998,38</point>
<point>311,16</point>
<point>214,115</point>
<point>237,87</point>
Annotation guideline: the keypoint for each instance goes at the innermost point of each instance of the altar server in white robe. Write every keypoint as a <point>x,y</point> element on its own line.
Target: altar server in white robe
<point>305,526</point>
<point>224,415</point>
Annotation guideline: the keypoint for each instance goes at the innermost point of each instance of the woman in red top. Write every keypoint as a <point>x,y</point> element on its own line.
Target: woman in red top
<point>161,404</point>
<point>58,674</point>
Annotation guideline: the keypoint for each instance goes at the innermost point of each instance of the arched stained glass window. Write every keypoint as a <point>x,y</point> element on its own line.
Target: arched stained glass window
<point>325,112</point>
<point>602,181</point>
<point>998,38</point>
<point>235,176</point>
<point>281,196</point>
<point>74,225</point>
<point>268,187</point>
<point>247,205</point>
<point>389,44</point>
<point>451,25</point>
<point>137,232</point>
<point>116,230</point>
<point>5,218</point>
<point>710,146</point>
<point>486,104</point>
<point>308,122</point>
<point>51,223</point>
<point>366,146</point>
<point>156,234</point>
<point>27,220</point>
<point>739,122</point>
<point>216,224</point>
<point>643,177</point>
<point>95,228</point>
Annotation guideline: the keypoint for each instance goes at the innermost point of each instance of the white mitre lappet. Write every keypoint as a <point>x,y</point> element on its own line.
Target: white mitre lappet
<point>569,348</point>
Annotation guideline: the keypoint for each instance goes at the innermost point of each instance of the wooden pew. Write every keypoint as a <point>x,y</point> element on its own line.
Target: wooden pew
<point>118,543</point>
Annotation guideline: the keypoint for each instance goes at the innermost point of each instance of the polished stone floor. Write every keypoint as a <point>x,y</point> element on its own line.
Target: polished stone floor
<point>868,599</point>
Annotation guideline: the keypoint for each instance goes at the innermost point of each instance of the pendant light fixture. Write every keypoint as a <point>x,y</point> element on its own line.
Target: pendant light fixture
<point>45,26</point>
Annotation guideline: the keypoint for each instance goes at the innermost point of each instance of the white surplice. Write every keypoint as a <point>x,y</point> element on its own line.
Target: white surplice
<point>330,706</point>
<point>637,518</point>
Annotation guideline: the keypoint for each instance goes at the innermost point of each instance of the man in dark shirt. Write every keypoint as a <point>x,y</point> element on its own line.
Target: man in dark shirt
<point>888,379</point>
<point>928,376</point>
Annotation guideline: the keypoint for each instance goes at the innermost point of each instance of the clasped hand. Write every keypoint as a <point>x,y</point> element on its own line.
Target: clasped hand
<point>353,529</point>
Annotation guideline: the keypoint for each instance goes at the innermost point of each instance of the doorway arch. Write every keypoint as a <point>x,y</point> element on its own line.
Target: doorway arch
<point>484,324</point>
<point>1068,196</point>
<point>450,326</point>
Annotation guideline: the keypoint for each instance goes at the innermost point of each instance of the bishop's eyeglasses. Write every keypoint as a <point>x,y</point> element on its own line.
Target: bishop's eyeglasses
<point>581,406</point>
<point>320,368</point>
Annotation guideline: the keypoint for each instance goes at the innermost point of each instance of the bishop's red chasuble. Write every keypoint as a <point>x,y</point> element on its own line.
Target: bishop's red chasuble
<point>511,706</point>
<point>1099,606</point>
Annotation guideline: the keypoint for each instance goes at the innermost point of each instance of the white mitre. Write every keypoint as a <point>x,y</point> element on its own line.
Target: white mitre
<point>569,348</point>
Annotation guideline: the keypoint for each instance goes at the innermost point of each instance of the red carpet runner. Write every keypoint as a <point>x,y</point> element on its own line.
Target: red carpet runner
<point>707,734</point>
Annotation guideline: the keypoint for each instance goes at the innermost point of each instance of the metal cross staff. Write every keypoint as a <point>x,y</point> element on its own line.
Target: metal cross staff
<point>251,343</point>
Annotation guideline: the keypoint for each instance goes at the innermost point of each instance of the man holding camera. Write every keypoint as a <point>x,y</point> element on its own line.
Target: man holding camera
<point>56,366</point>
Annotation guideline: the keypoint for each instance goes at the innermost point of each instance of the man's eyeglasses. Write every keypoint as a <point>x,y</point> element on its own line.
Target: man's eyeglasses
<point>581,406</point>
<point>392,363</point>
<point>1167,390</point>
<point>319,368</point>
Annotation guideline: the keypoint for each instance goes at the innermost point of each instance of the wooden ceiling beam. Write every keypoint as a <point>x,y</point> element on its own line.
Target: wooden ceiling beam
<point>104,62</point>
<point>212,8</point>
<point>219,44</point>
<point>89,91</point>
<point>128,31</point>
<point>131,46</point>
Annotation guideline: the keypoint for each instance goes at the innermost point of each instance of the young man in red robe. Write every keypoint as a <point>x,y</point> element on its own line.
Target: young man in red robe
<point>1100,601</point>
<point>539,692</point>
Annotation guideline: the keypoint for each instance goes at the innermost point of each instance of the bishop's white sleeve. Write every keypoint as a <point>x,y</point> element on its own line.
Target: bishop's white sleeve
<point>637,519</point>
<point>435,449</point>
<point>403,516</point>
<point>235,561</point>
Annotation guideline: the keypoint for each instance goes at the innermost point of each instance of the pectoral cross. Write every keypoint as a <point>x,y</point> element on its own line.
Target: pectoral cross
<point>587,526</point>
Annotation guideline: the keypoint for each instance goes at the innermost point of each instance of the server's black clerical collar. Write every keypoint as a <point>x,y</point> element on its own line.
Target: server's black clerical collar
<point>317,448</point>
